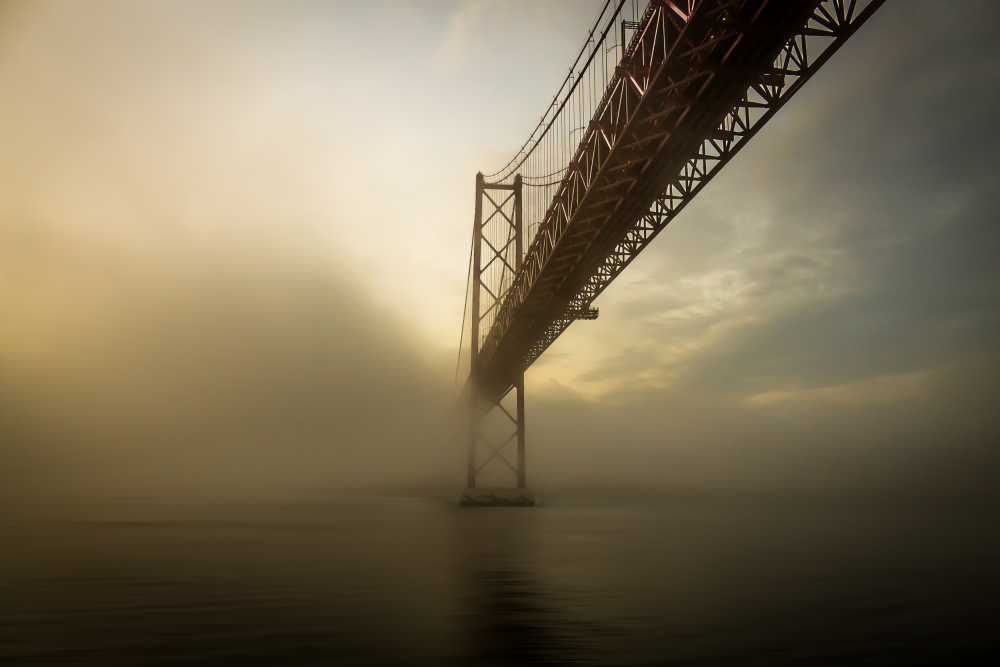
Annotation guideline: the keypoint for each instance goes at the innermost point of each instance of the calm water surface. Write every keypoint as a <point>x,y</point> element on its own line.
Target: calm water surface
<point>419,581</point>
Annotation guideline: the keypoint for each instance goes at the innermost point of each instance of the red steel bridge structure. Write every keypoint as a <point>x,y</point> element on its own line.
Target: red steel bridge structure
<point>661,96</point>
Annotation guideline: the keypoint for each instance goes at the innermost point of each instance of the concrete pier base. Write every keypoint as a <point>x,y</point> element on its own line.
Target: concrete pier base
<point>497,497</point>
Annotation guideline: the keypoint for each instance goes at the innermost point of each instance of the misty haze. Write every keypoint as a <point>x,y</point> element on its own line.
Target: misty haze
<point>234,248</point>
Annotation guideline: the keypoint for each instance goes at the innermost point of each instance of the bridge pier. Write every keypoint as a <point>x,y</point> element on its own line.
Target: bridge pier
<point>499,241</point>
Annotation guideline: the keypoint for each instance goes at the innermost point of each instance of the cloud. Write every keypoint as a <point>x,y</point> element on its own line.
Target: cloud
<point>465,30</point>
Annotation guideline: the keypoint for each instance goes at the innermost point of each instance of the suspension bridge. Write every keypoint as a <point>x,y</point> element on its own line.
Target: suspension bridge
<point>660,98</point>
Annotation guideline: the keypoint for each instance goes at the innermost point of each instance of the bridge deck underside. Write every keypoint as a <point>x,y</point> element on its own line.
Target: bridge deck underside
<point>680,78</point>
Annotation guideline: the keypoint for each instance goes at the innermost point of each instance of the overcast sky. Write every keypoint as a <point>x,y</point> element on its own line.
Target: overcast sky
<point>233,245</point>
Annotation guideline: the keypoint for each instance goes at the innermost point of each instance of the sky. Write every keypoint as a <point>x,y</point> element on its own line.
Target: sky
<point>234,235</point>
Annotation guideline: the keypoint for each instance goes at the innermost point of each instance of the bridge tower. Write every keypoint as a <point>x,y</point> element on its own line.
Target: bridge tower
<point>497,255</point>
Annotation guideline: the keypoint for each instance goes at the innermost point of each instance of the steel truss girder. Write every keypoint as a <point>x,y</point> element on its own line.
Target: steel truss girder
<point>668,50</point>
<point>665,69</point>
<point>834,20</point>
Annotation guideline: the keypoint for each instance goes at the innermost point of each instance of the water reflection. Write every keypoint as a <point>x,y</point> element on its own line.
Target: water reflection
<point>413,582</point>
<point>512,620</point>
<point>515,611</point>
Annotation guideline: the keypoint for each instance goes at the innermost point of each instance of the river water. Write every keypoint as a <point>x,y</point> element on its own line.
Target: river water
<point>421,581</point>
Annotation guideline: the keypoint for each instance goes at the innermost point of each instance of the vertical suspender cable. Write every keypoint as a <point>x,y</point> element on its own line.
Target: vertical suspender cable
<point>465,310</point>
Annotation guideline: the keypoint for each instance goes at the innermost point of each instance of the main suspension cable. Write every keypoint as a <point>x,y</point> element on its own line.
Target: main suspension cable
<point>507,169</point>
<point>465,309</point>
